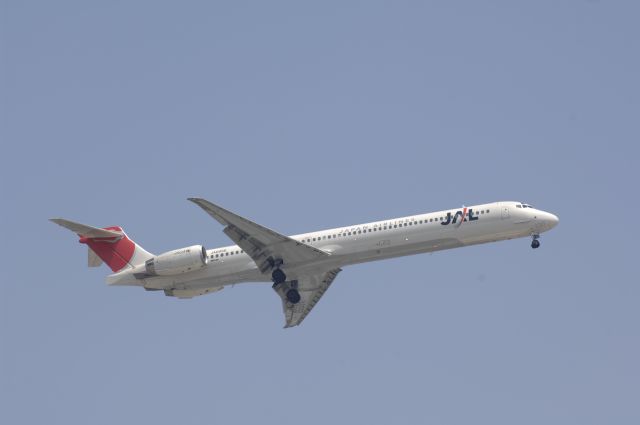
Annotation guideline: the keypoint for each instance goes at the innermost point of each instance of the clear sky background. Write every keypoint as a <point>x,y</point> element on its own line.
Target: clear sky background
<point>309,115</point>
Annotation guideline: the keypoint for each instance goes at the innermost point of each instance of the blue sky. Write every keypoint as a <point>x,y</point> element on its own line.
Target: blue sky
<point>305,116</point>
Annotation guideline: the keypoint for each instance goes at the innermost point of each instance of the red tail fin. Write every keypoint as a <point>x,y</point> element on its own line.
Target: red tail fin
<point>110,244</point>
<point>117,252</point>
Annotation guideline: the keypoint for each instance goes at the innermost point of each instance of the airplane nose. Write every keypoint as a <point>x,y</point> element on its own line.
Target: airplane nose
<point>545,220</point>
<point>551,220</point>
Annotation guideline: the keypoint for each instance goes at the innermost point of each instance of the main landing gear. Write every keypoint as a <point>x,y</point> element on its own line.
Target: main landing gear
<point>535,243</point>
<point>278,276</point>
<point>293,296</point>
<point>290,289</point>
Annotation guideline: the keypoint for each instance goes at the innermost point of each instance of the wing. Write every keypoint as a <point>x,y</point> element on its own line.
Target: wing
<point>311,288</point>
<point>263,245</point>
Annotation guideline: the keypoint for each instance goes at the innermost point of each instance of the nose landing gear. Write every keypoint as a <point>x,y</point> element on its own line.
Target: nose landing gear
<point>535,243</point>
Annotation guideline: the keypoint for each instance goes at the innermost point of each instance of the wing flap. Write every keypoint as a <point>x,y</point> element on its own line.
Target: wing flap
<point>311,289</point>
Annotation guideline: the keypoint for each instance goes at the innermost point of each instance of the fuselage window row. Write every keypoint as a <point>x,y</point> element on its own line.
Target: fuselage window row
<point>379,229</point>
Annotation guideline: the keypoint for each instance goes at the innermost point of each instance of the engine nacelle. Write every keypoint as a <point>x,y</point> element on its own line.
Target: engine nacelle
<point>177,261</point>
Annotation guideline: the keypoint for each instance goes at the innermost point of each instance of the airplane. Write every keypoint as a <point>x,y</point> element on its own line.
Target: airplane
<point>300,267</point>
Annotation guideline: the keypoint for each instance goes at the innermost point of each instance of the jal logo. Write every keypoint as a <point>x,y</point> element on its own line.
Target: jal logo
<point>459,217</point>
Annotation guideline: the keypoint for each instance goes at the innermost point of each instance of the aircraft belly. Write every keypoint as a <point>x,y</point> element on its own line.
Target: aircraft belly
<point>409,248</point>
<point>217,273</point>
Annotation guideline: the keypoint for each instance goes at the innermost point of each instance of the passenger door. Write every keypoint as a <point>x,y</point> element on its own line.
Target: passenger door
<point>505,212</point>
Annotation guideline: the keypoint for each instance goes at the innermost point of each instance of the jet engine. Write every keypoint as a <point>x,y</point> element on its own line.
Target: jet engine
<point>177,261</point>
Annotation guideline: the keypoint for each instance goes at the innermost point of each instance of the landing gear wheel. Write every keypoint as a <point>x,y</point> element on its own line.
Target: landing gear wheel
<point>293,296</point>
<point>535,243</point>
<point>278,276</point>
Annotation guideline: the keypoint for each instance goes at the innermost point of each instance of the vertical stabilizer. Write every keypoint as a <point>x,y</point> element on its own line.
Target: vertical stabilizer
<point>110,245</point>
<point>93,260</point>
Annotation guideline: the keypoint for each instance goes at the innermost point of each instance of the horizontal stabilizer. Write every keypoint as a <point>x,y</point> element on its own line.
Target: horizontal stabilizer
<point>85,230</point>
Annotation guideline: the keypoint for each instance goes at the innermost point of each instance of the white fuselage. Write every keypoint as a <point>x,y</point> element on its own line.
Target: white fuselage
<point>362,243</point>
